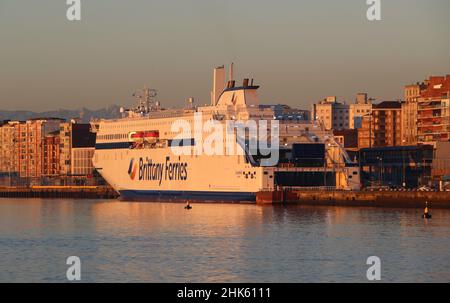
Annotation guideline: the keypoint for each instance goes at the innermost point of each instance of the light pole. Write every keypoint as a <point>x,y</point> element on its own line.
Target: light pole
<point>403,169</point>
<point>381,170</point>
<point>370,140</point>
<point>9,173</point>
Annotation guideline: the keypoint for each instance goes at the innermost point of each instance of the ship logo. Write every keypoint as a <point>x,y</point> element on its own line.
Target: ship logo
<point>132,169</point>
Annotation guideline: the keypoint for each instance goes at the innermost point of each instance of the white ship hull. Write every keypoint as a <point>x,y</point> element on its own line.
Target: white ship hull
<point>154,175</point>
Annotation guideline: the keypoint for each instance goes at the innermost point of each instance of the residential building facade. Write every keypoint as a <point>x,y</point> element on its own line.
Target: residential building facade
<point>383,127</point>
<point>433,111</point>
<point>362,107</point>
<point>65,138</point>
<point>77,148</point>
<point>412,94</point>
<point>28,151</point>
<point>331,114</point>
<point>7,144</point>
<point>51,154</point>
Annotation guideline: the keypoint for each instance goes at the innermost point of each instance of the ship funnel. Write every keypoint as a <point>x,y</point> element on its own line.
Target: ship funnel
<point>218,84</point>
<point>231,72</point>
<point>190,103</point>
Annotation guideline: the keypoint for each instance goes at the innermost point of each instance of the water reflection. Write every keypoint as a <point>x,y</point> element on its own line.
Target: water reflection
<point>163,242</point>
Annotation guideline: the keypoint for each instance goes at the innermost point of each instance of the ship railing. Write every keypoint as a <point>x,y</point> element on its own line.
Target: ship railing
<point>312,188</point>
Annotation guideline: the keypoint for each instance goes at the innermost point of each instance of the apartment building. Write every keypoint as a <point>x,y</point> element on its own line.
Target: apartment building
<point>51,154</point>
<point>28,151</point>
<point>65,139</point>
<point>331,114</point>
<point>362,107</point>
<point>412,94</point>
<point>7,143</point>
<point>383,127</point>
<point>77,149</point>
<point>46,147</point>
<point>433,111</point>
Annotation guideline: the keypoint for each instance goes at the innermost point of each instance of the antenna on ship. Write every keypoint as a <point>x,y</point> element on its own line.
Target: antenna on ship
<point>146,100</point>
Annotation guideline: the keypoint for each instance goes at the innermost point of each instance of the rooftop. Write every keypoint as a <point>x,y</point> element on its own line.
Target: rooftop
<point>438,86</point>
<point>388,105</point>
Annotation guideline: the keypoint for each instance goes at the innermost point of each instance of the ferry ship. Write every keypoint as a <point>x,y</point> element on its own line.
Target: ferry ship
<point>157,154</point>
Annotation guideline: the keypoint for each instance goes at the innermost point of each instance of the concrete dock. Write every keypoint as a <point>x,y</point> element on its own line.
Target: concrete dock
<point>403,199</point>
<point>79,192</point>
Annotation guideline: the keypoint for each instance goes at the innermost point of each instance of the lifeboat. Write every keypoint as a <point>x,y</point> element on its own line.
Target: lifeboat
<point>150,136</point>
<point>136,136</point>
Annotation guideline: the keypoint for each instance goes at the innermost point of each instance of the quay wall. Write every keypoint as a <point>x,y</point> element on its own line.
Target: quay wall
<point>78,192</point>
<point>414,199</point>
<point>401,199</point>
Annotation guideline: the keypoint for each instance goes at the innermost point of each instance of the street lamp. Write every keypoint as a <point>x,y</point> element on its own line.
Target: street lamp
<point>381,170</point>
<point>403,167</point>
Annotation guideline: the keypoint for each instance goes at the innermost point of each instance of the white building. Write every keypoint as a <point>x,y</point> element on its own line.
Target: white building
<point>362,107</point>
<point>332,114</point>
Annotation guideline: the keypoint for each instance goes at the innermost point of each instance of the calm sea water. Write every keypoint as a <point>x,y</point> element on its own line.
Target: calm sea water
<point>158,242</point>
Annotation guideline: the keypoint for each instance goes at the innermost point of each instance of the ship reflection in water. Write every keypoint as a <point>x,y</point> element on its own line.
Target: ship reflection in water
<point>163,242</point>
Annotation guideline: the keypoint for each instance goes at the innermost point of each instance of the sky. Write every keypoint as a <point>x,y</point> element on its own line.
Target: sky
<point>298,51</point>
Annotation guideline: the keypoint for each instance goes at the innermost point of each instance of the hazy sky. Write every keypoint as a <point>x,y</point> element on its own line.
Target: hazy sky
<point>298,51</point>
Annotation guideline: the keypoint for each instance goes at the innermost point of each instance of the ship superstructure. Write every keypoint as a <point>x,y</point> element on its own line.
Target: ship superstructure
<point>199,153</point>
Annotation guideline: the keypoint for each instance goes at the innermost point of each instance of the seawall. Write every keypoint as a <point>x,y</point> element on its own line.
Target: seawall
<point>413,199</point>
<point>77,192</point>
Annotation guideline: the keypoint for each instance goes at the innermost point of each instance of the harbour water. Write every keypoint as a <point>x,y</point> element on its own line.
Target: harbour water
<point>163,242</point>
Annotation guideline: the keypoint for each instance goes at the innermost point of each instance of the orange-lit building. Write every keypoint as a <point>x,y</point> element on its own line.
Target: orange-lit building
<point>332,114</point>
<point>51,155</point>
<point>433,111</point>
<point>28,147</point>
<point>7,143</point>
<point>77,149</point>
<point>383,127</point>
<point>412,94</point>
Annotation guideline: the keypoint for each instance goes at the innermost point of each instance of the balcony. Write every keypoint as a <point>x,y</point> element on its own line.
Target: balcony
<point>431,107</point>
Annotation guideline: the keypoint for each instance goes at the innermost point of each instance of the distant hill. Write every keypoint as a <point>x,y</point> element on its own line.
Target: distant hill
<point>85,114</point>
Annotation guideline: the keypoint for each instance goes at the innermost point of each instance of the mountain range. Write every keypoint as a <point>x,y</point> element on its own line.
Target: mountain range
<point>84,114</point>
